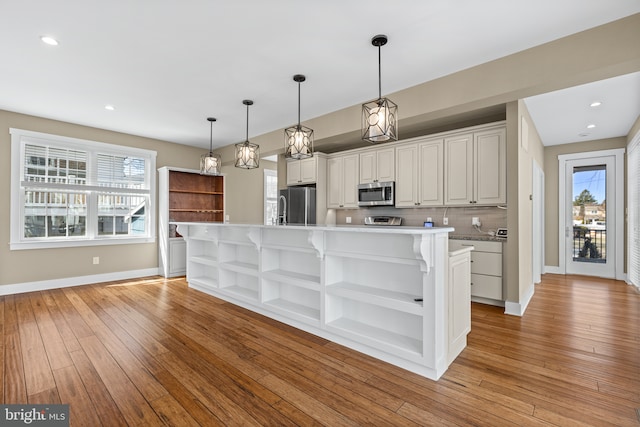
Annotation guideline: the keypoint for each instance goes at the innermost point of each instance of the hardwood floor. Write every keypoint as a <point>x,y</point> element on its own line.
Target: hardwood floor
<point>153,352</point>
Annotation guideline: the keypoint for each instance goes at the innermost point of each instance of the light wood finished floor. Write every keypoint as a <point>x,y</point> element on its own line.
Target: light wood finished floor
<point>153,352</point>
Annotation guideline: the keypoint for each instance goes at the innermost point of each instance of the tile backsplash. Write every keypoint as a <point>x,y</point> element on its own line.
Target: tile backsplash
<point>491,217</point>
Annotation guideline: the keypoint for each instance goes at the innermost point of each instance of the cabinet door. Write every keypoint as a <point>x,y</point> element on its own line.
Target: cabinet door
<point>367,167</point>
<point>458,169</point>
<point>385,165</point>
<point>308,170</point>
<point>350,175</point>
<point>293,172</point>
<point>335,181</point>
<point>431,174</point>
<point>177,257</point>
<point>406,176</point>
<point>490,166</point>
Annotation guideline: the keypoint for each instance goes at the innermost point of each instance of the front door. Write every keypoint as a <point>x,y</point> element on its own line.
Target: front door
<point>590,216</point>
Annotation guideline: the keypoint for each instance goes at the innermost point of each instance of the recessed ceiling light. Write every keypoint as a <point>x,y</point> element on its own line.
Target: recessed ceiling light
<point>583,134</point>
<point>595,104</point>
<point>49,40</point>
<point>591,126</point>
<point>109,107</point>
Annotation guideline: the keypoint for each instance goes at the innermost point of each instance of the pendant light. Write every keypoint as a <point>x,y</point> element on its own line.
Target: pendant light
<point>379,117</point>
<point>298,140</point>
<point>247,154</point>
<point>210,163</point>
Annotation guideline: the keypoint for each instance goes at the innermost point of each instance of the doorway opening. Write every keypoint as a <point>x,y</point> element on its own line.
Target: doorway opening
<point>591,213</point>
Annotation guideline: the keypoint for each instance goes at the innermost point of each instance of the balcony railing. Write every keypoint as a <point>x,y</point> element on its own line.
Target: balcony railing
<point>589,245</point>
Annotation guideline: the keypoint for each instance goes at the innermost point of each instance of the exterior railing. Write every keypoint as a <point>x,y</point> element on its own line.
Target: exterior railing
<point>589,245</point>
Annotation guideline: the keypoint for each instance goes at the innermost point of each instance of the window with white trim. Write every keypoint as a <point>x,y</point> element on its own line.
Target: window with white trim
<point>270,197</point>
<point>72,192</point>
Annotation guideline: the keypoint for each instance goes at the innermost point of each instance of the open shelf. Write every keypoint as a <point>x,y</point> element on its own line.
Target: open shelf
<point>240,267</point>
<point>377,337</point>
<point>292,300</point>
<point>196,210</point>
<point>298,310</point>
<point>203,259</point>
<point>386,298</point>
<point>297,279</point>
<point>242,292</point>
<point>196,192</point>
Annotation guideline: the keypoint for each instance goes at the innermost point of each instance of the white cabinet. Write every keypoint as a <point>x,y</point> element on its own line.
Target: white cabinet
<point>420,174</point>
<point>377,166</point>
<point>476,168</point>
<point>300,172</point>
<point>343,181</point>
<point>459,300</point>
<point>178,257</point>
<point>486,269</point>
<point>490,166</point>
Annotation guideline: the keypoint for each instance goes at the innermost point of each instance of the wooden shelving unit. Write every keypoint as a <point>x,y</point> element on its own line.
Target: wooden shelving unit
<point>185,195</point>
<point>195,197</point>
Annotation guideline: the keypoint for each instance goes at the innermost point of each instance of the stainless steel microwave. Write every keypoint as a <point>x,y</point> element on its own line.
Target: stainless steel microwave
<point>376,194</point>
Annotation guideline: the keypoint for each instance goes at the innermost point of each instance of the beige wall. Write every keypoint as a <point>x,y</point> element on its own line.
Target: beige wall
<point>46,264</point>
<point>245,193</point>
<point>551,183</point>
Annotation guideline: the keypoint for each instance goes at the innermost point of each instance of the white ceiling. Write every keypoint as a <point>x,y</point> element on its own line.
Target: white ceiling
<point>167,65</point>
<point>563,116</point>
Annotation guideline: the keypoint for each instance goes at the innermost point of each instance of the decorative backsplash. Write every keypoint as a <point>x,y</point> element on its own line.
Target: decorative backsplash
<point>491,217</point>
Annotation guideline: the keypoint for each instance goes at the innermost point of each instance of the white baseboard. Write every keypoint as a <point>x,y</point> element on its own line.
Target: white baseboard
<point>553,269</point>
<point>518,308</point>
<point>44,285</point>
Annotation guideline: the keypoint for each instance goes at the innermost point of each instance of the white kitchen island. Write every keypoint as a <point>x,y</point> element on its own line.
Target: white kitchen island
<point>384,291</point>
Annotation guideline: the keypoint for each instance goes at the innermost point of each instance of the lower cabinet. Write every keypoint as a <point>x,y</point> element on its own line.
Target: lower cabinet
<point>486,269</point>
<point>381,293</point>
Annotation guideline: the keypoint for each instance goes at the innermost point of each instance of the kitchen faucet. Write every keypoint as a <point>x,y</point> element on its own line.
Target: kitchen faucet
<point>284,209</point>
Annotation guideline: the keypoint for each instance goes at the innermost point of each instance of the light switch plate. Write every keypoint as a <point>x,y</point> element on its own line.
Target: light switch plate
<point>501,232</point>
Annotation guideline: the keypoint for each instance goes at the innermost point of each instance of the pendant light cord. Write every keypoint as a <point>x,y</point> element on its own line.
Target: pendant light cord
<point>298,105</point>
<point>211,137</point>
<point>379,72</point>
<point>247,139</point>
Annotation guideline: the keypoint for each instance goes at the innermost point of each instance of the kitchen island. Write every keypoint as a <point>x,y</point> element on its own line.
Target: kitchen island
<point>390,292</point>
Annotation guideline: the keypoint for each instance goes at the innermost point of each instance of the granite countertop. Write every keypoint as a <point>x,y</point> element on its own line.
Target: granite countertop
<point>483,237</point>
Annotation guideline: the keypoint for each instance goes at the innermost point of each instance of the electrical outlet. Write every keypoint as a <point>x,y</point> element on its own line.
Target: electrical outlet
<point>445,221</point>
<point>96,260</point>
<point>348,220</point>
<point>476,221</point>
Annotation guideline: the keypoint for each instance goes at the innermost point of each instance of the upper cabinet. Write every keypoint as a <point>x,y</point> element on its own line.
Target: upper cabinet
<point>420,174</point>
<point>301,172</point>
<point>342,180</point>
<point>476,168</point>
<point>377,165</point>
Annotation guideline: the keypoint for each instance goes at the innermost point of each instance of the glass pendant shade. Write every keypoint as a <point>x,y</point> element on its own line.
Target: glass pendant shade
<point>210,163</point>
<point>247,153</point>
<point>379,117</point>
<point>298,139</point>
<point>379,120</point>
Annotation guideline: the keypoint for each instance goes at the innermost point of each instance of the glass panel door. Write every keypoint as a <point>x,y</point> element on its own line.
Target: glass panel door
<point>590,240</point>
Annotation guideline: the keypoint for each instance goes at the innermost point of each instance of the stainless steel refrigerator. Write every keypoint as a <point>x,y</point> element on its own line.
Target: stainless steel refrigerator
<point>300,205</point>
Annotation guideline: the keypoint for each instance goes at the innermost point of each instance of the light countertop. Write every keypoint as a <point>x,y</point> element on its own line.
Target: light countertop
<point>347,228</point>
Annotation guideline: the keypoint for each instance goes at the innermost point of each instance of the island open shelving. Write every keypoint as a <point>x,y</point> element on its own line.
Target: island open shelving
<point>384,291</point>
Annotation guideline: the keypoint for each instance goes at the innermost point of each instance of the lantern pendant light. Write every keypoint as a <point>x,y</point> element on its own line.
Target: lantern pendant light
<point>210,163</point>
<point>298,140</point>
<point>379,117</point>
<point>247,153</point>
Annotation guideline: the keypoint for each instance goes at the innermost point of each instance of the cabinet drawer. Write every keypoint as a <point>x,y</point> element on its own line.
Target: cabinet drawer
<point>486,263</point>
<point>486,286</point>
<point>478,245</point>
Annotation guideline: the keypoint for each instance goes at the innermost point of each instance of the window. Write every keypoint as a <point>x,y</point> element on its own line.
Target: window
<point>71,192</point>
<point>270,197</point>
